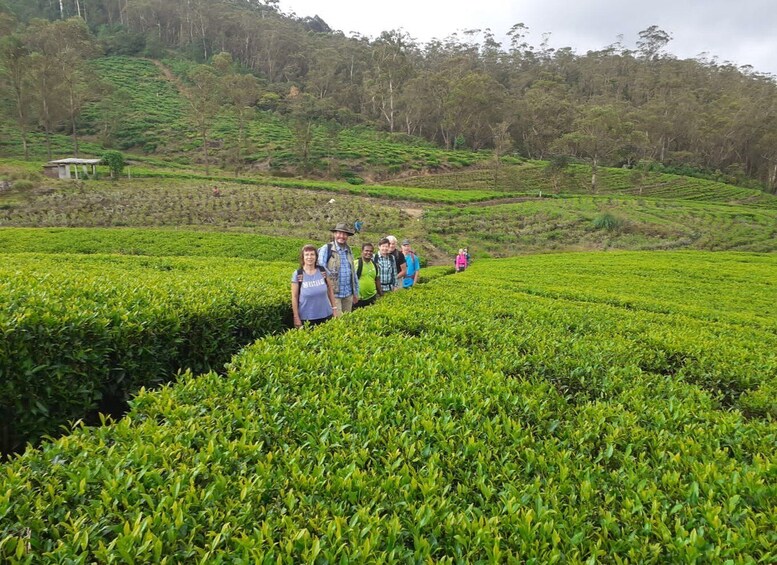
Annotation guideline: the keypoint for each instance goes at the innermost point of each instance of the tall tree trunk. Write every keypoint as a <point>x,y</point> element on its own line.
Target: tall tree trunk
<point>75,135</point>
<point>205,152</point>
<point>593,175</point>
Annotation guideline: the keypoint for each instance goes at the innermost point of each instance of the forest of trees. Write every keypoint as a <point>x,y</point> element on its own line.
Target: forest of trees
<point>618,106</point>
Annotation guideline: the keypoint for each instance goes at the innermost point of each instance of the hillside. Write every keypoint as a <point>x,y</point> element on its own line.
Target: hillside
<point>441,199</point>
<point>65,73</point>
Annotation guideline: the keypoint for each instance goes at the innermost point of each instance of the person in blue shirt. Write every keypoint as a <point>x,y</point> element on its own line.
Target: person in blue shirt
<point>337,259</point>
<point>312,299</point>
<point>413,265</point>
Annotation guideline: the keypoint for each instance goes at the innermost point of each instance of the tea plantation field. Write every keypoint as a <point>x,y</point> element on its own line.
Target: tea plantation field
<point>81,333</point>
<point>563,408</point>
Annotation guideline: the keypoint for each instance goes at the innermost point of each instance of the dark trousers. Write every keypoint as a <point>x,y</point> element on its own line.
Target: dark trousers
<point>316,322</point>
<point>363,303</point>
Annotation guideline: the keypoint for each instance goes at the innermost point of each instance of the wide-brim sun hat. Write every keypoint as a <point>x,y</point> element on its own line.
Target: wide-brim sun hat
<point>343,228</point>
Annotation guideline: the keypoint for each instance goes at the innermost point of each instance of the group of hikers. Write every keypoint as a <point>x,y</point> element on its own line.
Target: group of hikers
<point>331,282</point>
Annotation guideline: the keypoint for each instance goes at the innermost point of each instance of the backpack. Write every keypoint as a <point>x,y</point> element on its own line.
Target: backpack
<point>321,269</point>
<point>359,265</point>
<point>330,247</point>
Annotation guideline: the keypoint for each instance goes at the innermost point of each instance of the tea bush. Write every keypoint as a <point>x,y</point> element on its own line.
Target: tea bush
<point>154,242</point>
<point>561,408</point>
<point>79,330</point>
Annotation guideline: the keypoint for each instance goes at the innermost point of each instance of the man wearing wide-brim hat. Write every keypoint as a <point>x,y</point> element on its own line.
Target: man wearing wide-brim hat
<point>336,257</point>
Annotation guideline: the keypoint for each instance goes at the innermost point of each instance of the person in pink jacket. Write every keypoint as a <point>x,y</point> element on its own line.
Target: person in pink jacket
<point>461,261</point>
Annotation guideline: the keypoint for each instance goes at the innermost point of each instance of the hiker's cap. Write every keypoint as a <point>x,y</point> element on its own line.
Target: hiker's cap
<point>405,242</point>
<point>343,228</point>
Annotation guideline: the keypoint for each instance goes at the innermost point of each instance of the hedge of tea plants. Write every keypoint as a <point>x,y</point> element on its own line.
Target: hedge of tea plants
<point>534,177</point>
<point>79,331</point>
<point>639,224</point>
<point>543,409</point>
<point>154,242</point>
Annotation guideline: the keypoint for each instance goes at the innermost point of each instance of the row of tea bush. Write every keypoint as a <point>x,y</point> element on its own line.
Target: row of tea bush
<point>566,408</point>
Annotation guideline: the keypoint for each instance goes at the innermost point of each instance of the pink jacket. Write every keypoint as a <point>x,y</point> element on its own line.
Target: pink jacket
<point>461,260</point>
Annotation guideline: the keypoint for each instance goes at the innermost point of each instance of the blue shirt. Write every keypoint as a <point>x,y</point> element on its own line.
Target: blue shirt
<point>313,296</point>
<point>413,266</point>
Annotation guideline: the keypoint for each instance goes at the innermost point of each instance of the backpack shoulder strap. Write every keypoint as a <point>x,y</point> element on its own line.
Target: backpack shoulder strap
<point>359,267</point>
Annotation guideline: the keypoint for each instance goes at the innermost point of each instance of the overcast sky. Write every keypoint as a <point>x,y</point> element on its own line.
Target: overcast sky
<point>743,32</point>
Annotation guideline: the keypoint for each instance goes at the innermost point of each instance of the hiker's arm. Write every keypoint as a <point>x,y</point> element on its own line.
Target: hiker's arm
<point>332,302</point>
<point>295,304</point>
<point>377,284</point>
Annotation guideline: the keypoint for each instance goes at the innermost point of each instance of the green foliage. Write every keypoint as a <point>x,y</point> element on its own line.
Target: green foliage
<point>535,225</point>
<point>23,184</point>
<point>533,177</point>
<point>78,331</point>
<point>153,242</point>
<point>150,108</point>
<point>593,410</point>
<point>608,222</point>
<point>115,162</point>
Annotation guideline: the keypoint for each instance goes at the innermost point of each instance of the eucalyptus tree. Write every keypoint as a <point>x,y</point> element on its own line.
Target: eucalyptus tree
<point>16,82</point>
<point>473,106</point>
<point>652,42</point>
<point>76,45</point>
<point>542,115</point>
<point>241,91</point>
<point>391,68</point>
<point>599,133</point>
<point>202,94</point>
<point>58,52</point>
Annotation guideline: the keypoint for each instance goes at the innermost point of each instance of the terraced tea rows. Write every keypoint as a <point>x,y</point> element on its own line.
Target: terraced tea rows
<point>153,242</point>
<point>569,223</point>
<point>533,177</point>
<point>546,409</point>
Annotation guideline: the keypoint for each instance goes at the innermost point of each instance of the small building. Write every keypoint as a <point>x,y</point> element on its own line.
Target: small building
<point>69,168</point>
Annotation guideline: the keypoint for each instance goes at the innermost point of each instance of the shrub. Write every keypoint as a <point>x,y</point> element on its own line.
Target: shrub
<point>23,184</point>
<point>608,222</point>
<point>115,162</point>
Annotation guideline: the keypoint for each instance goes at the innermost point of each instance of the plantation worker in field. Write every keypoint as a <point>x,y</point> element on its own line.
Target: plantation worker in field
<point>461,261</point>
<point>367,273</point>
<point>399,259</point>
<point>337,259</point>
<point>413,264</point>
<point>312,299</point>
<point>387,267</point>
